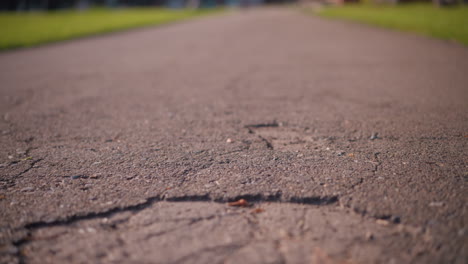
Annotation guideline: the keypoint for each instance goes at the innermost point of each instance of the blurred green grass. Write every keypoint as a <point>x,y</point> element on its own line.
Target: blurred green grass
<point>449,23</point>
<point>34,28</point>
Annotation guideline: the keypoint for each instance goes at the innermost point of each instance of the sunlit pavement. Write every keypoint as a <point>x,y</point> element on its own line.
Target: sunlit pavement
<point>347,143</point>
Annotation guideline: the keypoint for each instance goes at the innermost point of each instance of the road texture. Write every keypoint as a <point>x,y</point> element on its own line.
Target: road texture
<point>348,142</point>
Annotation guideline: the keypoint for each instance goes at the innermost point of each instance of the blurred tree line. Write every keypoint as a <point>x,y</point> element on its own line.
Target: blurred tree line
<point>60,4</point>
<point>23,5</point>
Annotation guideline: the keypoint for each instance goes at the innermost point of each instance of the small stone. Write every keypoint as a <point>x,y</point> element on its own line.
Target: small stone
<point>340,153</point>
<point>10,157</point>
<point>461,232</point>
<point>436,204</point>
<point>382,222</point>
<point>284,233</point>
<point>228,140</point>
<point>74,177</point>
<point>369,236</point>
<point>374,136</point>
<point>27,189</point>
<point>95,175</point>
<point>395,219</point>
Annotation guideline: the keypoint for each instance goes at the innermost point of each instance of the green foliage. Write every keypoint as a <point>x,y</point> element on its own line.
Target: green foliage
<point>33,28</point>
<point>446,23</point>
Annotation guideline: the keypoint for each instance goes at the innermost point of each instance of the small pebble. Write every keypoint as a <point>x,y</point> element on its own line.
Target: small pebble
<point>228,140</point>
<point>74,177</point>
<point>382,222</point>
<point>374,136</point>
<point>436,204</point>
<point>27,189</point>
<point>461,232</point>
<point>395,219</point>
<point>95,175</point>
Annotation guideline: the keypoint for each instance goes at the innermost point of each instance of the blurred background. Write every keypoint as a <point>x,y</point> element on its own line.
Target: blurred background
<point>18,5</point>
<point>25,23</point>
<point>24,5</point>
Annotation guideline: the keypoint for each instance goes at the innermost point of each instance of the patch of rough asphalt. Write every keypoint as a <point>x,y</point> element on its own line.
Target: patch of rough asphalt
<point>125,148</point>
<point>209,232</point>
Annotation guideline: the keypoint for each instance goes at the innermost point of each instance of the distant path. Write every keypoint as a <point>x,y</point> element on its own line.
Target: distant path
<point>351,140</point>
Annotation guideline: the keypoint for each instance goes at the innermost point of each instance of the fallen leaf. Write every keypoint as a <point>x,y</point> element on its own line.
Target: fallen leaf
<point>240,202</point>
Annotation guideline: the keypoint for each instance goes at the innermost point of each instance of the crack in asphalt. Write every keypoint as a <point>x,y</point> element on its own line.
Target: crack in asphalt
<point>379,163</point>
<point>267,142</point>
<point>12,179</point>
<point>251,130</point>
<point>252,198</point>
<point>260,125</point>
<point>31,165</point>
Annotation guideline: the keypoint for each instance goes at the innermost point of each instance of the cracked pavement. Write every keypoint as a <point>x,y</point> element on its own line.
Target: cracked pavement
<point>349,142</point>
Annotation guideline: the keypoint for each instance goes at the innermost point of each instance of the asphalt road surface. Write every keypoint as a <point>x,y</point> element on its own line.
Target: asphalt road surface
<point>348,142</point>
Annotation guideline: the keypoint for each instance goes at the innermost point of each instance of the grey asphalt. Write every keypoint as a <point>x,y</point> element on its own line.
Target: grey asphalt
<point>348,142</point>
